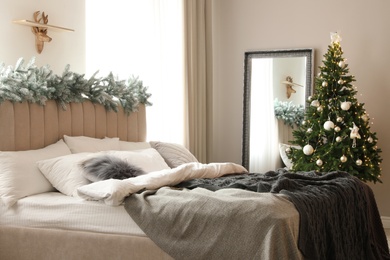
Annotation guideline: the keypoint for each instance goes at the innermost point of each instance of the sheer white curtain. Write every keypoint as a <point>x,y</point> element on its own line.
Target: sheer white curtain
<point>263,152</point>
<point>142,38</point>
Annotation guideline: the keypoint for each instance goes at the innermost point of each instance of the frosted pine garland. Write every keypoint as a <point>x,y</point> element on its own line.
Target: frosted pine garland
<point>39,84</point>
<point>289,113</point>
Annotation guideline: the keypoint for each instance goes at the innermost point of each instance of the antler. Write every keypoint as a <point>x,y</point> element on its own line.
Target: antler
<point>45,18</point>
<point>36,14</point>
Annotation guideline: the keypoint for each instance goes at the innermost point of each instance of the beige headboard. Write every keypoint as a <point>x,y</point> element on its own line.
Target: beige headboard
<point>25,126</point>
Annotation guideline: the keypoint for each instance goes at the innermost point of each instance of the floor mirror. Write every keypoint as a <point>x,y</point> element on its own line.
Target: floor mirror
<point>271,76</point>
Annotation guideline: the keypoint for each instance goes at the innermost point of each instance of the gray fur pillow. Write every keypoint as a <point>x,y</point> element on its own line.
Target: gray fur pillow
<point>108,167</point>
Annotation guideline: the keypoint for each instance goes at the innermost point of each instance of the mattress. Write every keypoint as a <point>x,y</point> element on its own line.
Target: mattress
<point>53,210</point>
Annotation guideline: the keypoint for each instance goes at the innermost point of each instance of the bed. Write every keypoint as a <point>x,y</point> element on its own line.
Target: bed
<point>179,209</point>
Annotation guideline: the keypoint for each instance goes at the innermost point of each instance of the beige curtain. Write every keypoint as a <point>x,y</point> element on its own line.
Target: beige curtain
<point>198,75</point>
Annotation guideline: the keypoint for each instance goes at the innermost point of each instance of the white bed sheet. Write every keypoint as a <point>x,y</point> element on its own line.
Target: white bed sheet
<point>54,210</point>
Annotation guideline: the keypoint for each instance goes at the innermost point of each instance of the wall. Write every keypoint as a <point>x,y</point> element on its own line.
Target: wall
<point>65,48</point>
<point>246,25</point>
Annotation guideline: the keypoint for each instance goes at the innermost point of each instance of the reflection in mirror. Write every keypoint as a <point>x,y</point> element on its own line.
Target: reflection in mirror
<point>272,79</point>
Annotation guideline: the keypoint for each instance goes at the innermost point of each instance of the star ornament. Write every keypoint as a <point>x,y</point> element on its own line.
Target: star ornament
<point>335,37</point>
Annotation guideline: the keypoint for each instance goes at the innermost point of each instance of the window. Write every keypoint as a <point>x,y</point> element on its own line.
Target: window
<point>142,38</point>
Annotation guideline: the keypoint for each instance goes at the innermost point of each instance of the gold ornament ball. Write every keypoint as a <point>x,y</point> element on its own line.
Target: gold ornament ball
<point>341,64</point>
<point>319,109</point>
<point>338,139</point>
<point>343,158</point>
<point>324,84</point>
<point>359,162</point>
<point>339,119</point>
<point>337,129</point>
<point>370,140</point>
<point>319,162</point>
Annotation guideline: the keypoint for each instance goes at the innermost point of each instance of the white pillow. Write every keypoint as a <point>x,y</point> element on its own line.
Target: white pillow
<point>82,144</point>
<point>65,173</point>
<point>174,154</point>
<point>20,176</point>
<point>283,154</point>
<point>148,159</point>
<point>131,146</point>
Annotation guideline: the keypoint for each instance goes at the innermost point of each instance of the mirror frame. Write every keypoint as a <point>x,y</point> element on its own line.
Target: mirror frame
<point>308,53</point>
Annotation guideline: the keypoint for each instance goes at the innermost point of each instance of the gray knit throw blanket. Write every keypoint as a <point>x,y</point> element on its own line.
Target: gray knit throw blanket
<point>339,218</point>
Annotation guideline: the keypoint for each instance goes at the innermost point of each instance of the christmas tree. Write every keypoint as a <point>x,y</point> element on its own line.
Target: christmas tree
<point>335,134</point>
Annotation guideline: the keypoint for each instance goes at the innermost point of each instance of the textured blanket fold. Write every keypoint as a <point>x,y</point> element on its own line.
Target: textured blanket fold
<point>226,224</point>
<point>339,218</point>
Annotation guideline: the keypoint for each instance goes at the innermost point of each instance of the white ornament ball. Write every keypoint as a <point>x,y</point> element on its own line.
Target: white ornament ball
<point>328,125</point>
<point>309,130</point>
<point>339,119</point>
<point>341,64</point>
<point>365,118</point>
<point>309,98</point>
<point>324,84</point>
<point>288,150</point>
<point>359,162</point>
<point>320,108</point>
<point>339,139</point>
<point>345,105</point>
<point>308,149</point>
<point>340,81</point>
<point>337,129</point>
<point>343,158</point>
<point>315,103</point>
<point>303,122</point>
<point>370,140</point>
<point>319,162</point>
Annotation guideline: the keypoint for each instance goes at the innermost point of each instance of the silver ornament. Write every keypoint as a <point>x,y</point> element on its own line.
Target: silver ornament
<point>328,125</point>
<point>309,130</point>
<point>308,149</point>
<point>370,140</point>
<point>339,139</point>
<point>315,103</point>
<point>359,162</point>
<point>345,105</point>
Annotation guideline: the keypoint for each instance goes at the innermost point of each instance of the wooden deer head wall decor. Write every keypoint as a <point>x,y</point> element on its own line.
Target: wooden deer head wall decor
<point>289,86</point>
<point>39,27</point>
<point>40,32</point>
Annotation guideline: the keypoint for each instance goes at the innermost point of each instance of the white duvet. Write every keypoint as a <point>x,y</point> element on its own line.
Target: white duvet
<point>113,191</point>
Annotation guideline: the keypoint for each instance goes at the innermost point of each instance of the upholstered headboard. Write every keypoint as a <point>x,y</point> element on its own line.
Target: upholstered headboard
<point>25,126</point>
